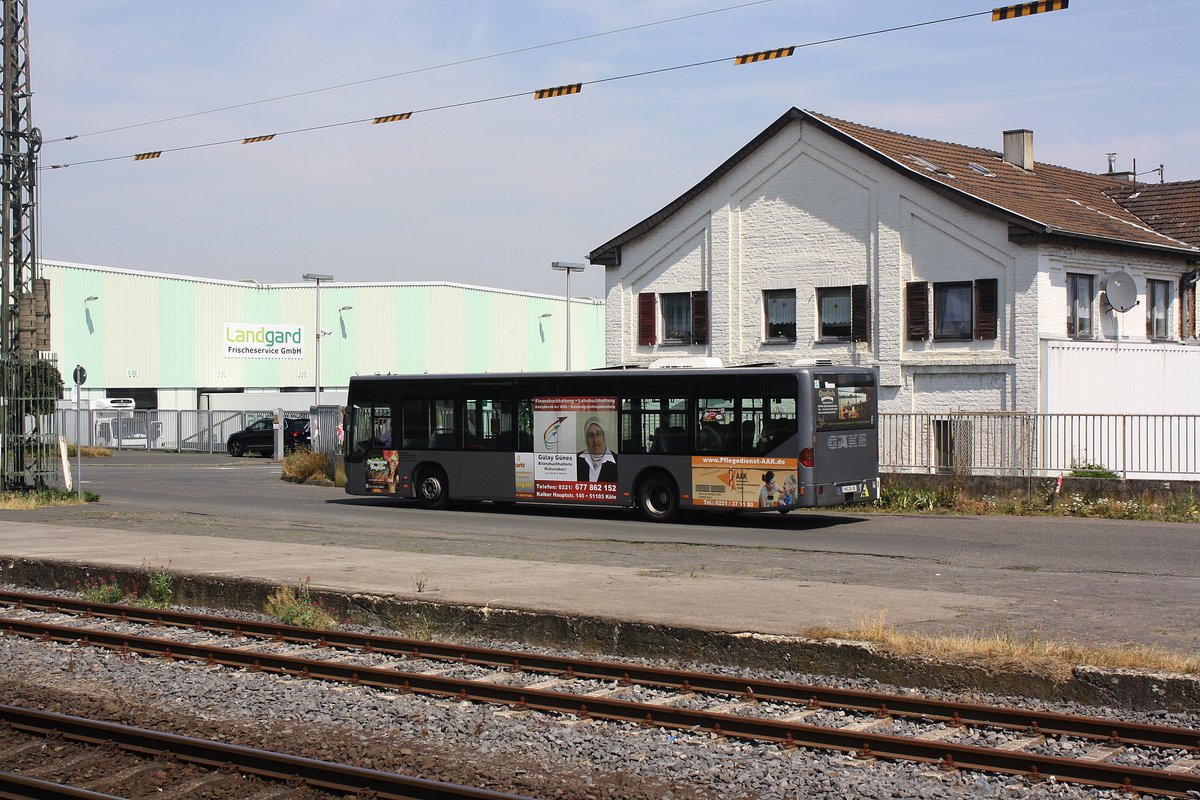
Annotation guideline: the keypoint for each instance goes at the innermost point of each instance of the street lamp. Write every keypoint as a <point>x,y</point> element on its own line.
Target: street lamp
<point>311,276</point>
<point>568,267</point>
<point>87,312</point>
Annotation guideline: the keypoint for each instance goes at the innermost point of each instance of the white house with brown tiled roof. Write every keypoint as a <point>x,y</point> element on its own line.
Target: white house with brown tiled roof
<point>974,279</point>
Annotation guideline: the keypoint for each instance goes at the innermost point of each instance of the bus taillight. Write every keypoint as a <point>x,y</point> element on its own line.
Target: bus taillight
<point>806,457</point>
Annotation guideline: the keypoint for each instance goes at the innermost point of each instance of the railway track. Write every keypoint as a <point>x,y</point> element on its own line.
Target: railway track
<point>48,755</point>
<point>866,725</point>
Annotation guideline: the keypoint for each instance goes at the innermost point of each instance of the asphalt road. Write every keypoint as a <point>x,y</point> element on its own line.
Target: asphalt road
<point>1101,581</point>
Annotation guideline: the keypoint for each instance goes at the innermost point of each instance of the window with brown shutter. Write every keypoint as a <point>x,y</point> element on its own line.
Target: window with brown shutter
<point>860,313</point>
<point>985,308</point>
<point>647,321</point>
<point>699,317</point>
<point>916,302</point>
<point>1187,309</point>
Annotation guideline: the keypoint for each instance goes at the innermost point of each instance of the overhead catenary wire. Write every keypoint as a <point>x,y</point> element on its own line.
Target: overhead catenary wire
<point>532,92</point>
<point>415,71</point>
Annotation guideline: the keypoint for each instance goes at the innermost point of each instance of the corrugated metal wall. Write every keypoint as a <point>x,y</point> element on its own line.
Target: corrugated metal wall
<point>146,330</point>
<point>1119,378</point>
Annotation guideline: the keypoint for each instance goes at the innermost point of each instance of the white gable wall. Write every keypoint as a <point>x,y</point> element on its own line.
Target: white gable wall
<point>805,211</point>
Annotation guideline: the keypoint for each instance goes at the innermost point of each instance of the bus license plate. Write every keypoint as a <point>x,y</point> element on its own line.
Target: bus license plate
<point>847,489</point>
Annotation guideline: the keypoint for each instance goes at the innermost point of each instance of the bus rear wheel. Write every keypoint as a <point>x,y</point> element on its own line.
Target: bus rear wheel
<point>433,489</point>
<point>658,499</point>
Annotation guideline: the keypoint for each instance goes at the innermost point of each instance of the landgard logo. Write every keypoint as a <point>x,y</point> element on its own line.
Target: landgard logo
<point>259,340</point>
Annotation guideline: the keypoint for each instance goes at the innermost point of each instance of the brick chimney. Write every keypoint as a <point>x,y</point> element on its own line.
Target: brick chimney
<point>1018,148</point>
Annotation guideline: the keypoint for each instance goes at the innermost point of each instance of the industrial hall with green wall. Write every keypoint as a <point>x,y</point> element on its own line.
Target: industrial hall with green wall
<point>183,342</point>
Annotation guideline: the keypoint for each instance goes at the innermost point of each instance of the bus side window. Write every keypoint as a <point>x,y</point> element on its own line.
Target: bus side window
<point>428,424</point>
<point>780,423</point>
<point>663,425</point>
<point>487,424</point>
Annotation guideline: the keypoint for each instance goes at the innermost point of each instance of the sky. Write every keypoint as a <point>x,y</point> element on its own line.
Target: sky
<point>490,193</point>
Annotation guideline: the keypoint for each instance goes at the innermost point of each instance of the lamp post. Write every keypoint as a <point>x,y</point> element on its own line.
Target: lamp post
<point>568,267</point>
<point>311,276</point>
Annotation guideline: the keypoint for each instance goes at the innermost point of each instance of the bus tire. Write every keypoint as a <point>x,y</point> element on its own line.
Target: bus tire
<point>658,498</point>
<point>433,488</point>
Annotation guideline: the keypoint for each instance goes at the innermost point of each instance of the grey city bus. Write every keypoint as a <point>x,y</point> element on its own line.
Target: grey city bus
<point>661,440</point>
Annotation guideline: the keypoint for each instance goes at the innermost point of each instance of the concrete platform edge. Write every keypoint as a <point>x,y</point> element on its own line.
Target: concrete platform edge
<point>415,618</point>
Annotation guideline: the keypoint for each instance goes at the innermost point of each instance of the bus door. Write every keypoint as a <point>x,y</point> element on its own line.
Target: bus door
<point>846,445</point>
<point>372,459</point>
<point>490,438</point>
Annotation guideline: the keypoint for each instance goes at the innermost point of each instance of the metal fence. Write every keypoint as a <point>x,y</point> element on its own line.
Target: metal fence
<point>1165,446</point>
<point>156,429</point>
<point>28,440</point>
<point>325,431</point>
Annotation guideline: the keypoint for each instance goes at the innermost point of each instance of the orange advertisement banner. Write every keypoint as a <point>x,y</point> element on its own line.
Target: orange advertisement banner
<point>733,482</point>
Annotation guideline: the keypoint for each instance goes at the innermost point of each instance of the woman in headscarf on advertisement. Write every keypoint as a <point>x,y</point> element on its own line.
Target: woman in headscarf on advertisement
<point>596,464</point>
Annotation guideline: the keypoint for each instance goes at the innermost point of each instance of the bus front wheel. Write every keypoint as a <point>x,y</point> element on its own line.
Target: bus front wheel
<point>658,499</point>
<point>433,488</point>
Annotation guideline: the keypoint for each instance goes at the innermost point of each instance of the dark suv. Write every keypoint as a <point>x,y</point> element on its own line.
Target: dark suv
<point>260,437</point>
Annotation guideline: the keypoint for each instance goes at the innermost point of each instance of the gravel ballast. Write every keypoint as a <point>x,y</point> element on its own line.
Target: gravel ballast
<point>540,755</point>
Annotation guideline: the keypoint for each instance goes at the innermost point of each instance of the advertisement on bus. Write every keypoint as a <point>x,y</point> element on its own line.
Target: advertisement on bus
<point>573,458</point>
<point>381,472</point>
<point>731,482</point>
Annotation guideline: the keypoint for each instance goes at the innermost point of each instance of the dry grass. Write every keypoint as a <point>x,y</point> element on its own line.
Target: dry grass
<point>1007,650</point>
<point>89,452</point>
<point>27,501</point>
<point>303,463</point>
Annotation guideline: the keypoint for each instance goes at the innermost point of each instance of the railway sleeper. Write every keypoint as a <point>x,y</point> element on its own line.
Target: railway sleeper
<point>55,767</point>
<point>1185,764</point>
<point>125,776</point>
<point>1101,752</point>
<point>1021,743</point>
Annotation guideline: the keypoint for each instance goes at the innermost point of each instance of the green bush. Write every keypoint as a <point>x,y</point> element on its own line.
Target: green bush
<point>1087,469</point>
<point>298,607</point>
<point>159,590</point>
<point>102,590</point>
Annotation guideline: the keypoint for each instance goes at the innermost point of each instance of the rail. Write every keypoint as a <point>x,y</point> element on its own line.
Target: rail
<point>744,708</point>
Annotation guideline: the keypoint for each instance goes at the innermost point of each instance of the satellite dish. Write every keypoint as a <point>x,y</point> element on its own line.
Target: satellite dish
<point>1119,291</point>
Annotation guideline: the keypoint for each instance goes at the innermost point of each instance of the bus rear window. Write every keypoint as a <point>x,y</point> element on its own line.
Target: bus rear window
<point>844,401</point>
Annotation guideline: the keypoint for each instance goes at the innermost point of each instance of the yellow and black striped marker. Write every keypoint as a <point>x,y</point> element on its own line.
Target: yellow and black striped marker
<point>558,91</point>
<point>1025,9</point>
<point>764,55</point>
<point>147,156</point>
<point>391,118</point>
<point>255,139</point>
